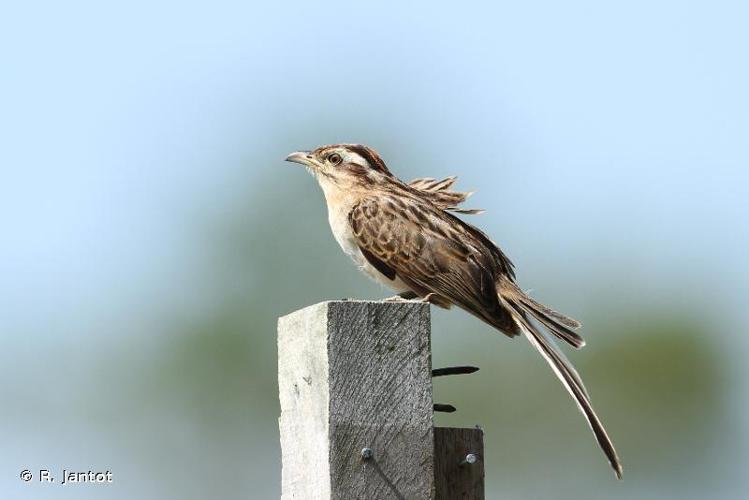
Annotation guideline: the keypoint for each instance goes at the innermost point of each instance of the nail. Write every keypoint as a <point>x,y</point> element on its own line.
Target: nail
<point>454,370</point>
<point>443,408</point>
<point>366,453</point>
<point>469,459</point>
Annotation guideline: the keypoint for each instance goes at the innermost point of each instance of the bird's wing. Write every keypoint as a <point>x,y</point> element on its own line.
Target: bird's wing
<point>423,246</point>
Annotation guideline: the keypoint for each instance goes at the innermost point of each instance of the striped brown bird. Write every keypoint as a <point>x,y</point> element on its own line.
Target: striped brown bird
<point>406,237</point>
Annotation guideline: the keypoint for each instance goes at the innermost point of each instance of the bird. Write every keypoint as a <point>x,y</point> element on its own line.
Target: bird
<point>407,237</point>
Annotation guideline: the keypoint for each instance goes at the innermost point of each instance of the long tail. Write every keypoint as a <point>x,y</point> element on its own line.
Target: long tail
<point>557,323</point>
<point>519,308</point>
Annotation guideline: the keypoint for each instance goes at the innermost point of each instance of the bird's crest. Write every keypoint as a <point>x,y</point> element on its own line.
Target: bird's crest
<point>440,194</point>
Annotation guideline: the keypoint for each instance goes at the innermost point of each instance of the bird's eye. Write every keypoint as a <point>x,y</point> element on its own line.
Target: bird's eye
<point>334,158</point>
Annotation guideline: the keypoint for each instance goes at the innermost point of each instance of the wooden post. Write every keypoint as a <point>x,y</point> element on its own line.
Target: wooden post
<point>355,388</point>
<point>459,463</point>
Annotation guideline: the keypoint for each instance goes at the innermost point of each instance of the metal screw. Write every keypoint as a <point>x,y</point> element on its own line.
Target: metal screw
<point>469,459</point>
<point>366,453</point>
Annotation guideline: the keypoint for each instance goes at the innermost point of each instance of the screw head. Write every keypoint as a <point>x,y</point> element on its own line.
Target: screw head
<point>469,459</point>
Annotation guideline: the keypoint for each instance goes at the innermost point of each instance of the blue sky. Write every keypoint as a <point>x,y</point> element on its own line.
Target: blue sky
<point>629,118</point>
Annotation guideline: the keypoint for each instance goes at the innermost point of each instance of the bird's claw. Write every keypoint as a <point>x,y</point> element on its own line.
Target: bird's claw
<point>410,297</point>
<point>396,298</point>
<point>402,297</point>
<point>427,299</point>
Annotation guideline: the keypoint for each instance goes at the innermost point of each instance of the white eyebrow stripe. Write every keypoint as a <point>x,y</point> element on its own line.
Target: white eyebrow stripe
<point>352,157</point>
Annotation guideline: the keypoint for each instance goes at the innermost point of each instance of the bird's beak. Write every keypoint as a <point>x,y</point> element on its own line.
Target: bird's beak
<point>303,157</point>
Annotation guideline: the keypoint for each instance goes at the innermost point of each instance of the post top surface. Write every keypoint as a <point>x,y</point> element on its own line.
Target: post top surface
<point>344,302</point>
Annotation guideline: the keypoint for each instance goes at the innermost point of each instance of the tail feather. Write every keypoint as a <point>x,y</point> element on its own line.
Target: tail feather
<point>555,327</point>
<point>559,357</point>
<point>568,376</point>
<point>558,317</point>
<point>557,323</point>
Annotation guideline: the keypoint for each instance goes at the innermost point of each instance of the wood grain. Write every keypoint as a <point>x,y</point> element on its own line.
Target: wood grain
<point>455,480</point>
<point>356,374</point>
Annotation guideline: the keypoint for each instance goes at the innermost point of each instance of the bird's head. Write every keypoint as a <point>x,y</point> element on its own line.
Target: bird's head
<point>343,165</point>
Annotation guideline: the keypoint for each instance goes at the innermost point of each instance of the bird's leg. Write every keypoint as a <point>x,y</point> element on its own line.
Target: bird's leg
<point>402,297</point>
<point>410,296</point>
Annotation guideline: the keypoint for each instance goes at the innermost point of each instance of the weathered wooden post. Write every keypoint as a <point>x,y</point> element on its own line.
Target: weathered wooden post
<point>355,386</point>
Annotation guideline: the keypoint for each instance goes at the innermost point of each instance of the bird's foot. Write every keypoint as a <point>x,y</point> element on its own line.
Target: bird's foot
<point>402,297</point>
<point>410,297</point>
<point>427,299</point>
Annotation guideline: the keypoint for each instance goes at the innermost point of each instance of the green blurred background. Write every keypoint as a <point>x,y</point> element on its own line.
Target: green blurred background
<point>152,234</point>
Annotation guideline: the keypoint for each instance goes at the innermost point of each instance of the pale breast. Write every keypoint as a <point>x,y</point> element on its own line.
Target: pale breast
<point>341,228</point>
